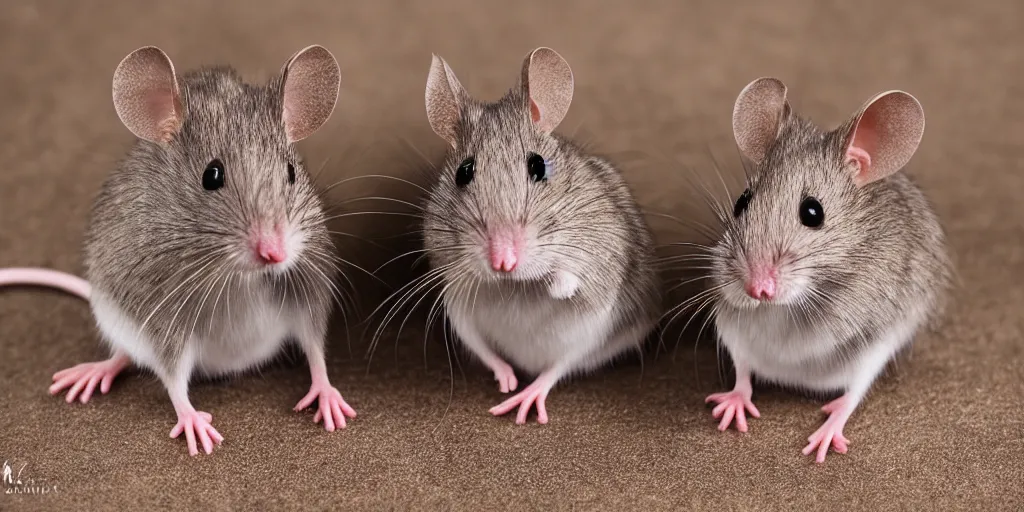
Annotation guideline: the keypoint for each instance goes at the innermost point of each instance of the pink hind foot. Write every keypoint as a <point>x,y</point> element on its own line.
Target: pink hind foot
<point>331,407</point>
<point>733,405</point>
<point>196,424</point>
<point>83,378</point>
<point>534,394</point>
<point>831,432</point>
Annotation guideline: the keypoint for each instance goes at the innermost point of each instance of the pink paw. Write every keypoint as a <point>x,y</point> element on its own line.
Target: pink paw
<point>829,434</point>
<point>506,378</point>
<point>83,378</point>
<point>732,405</point>
<point>331,407</point>
<point>534,394</point>
<point>197,424</point>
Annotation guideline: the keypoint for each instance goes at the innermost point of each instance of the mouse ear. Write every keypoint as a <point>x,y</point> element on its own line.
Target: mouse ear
<point>146,95</point>
<point>757,115</point>
<point>548,82</point>
<point>445,97</point>
<point>312,81</point>
<point>883,136</point>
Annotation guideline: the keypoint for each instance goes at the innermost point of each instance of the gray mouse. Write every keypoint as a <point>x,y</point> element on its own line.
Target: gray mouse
<point>831,260</point>
<point>545,258</point>
<point>207,247</point>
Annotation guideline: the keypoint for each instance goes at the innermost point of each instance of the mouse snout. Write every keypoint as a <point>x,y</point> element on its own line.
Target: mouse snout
<point>269,246</point>
<point>762,281</point>
<point>505,248</point>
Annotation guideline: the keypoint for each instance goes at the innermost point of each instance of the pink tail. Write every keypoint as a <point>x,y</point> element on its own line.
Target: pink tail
<point>45,277</point>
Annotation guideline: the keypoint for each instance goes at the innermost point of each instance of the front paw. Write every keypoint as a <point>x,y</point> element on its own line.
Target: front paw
<point>506,378</point>
<point>563,285</point>
<point>732,405</point>
<point>196,425</point>
<point>331,407</point>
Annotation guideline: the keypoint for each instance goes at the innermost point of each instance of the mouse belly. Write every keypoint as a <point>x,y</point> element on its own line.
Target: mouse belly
<point>255,336</point>
<point>776,349</point>
<point>539,332</point>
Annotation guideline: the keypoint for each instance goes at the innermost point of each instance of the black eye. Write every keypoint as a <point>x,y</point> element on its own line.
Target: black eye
<point>537,168</point>
<point>465,171</point>
<point>741,203</point>
<point>811,213</point>
<point>291,174</point>
<point>213,176</point>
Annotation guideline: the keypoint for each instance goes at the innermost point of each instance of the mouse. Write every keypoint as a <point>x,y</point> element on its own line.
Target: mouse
<point>207,248</point>
<point>830,261</point>
<point>546,260</point>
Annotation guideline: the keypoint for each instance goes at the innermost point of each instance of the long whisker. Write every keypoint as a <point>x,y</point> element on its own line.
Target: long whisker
<point>403,295</point>
<point>418,251</point>
<point>349,214</point>
<point>209,260</point>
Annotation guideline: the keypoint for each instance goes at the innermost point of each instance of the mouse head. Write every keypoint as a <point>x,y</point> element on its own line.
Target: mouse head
<point>809,213</point>
<point>505,171</point>
<point>220,153</point>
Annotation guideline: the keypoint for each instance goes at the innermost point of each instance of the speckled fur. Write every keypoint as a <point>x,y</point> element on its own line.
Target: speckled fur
<point>878,264</point>
<point>583,219</point>
<point>171,256</point>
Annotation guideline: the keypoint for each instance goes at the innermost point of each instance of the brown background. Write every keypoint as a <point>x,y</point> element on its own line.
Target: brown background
<point>655,86</point>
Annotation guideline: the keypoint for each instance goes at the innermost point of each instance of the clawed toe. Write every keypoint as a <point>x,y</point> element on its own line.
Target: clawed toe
<point>830,434</point>
<point>196,425</point>
<point>730,406</point>
<point>82,380</point>
<point>534,395</point>
<point>331,407</point>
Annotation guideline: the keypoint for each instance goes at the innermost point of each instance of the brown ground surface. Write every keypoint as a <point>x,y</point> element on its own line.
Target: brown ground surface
<point>655,83</point>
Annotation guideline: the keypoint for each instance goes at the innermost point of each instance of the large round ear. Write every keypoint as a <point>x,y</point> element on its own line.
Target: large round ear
<point>445,98</point>
<point>883,135</point>
<point>311,81</point>
<point>548,82</point>
<point>757,115</point>
<point>146,95</point>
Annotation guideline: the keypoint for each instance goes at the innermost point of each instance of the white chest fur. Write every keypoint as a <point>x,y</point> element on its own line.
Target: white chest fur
<point>239,340</point>
<point>777,348</point>
<point>534,331</point>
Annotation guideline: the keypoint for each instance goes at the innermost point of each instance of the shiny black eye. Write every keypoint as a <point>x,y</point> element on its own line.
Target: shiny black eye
<point>811,213</point>
<point>213,176</point>
<point>291,174</point>
<point>537,167</point>
<point>464,173</point>
<point>741,203</point>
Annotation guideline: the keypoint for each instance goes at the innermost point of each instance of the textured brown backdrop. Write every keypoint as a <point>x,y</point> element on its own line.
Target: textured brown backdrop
<point>655,85</point>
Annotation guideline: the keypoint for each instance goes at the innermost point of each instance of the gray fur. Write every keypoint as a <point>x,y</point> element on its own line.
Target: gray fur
<point>584,218</point>
<point>153,225</point>
<point>880,254</point>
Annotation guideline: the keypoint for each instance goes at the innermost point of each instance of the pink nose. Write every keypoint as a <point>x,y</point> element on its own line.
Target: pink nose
<point>761,284</point>
<point>504,250</point>
<point>270,248</point>
<point>761,289</point>
<point>503,258</point>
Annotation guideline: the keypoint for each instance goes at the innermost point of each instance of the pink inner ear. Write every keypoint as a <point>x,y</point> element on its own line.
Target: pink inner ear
<point>156,104</point>
<point>863,144</point>
<point>161,110</point>
<point>860,157</point>
<point>534,111</point>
